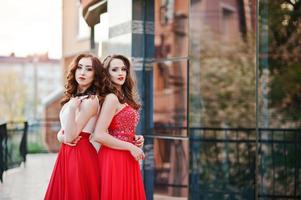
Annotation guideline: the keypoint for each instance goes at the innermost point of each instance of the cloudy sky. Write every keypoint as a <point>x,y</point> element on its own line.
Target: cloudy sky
<point>30,26</point>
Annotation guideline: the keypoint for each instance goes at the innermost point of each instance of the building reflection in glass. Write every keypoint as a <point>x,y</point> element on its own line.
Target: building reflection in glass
<point>170,72</point>
<point>170,119</point>
<point>222,99</point>
<point>280,89</point>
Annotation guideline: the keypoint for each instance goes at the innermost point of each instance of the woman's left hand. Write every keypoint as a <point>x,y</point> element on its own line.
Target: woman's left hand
<point>139,141</point>
<point>74,142</point>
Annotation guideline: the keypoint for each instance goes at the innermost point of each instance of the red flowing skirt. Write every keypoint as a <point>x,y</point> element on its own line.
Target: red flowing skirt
<point>75,175</point>
<point>120,175</point>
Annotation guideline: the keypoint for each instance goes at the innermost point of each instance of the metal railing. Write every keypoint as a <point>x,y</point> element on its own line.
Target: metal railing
<point>227,163</point>
<point>222,162</point>
<point>17,139</point>
<point>13,145</point>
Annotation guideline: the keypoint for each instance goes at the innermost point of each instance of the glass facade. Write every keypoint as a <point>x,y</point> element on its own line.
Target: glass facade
<point>279,56</point>
<point>225,117</point>
<point>222,99</point>
<point>170,99</point>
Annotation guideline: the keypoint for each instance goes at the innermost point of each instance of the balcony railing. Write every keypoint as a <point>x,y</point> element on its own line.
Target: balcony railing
<point>226,163</point>
<point>13,145</point>
<point>222,162</point>
<point>19,138</point>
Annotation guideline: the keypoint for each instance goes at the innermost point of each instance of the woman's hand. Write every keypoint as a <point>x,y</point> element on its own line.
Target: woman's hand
<point>79,112</point>
<point>136,152</point>
<point>74,142</point>
<point>139,141</point>
<point>61,139</point>
<point>75,102</point>
<point>60,136</point>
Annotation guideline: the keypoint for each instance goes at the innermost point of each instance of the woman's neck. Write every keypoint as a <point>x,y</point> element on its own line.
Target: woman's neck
<point>119,88</point>
<point>81,89</point>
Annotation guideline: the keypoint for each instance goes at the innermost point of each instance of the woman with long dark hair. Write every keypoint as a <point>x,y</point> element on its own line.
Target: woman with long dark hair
<point>76,175</point>
<point>115,129</point>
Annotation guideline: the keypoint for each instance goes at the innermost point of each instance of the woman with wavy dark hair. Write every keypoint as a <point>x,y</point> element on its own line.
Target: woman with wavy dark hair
<point>118,156</point>
<point>76,175</point>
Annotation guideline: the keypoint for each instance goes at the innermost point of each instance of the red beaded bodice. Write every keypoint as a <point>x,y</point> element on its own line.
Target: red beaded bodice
<point>124,124</point>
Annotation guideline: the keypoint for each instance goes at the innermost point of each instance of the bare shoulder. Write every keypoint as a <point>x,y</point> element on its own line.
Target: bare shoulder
<point>111,102</point>
<point>90,104</point>
<point>112,98</point>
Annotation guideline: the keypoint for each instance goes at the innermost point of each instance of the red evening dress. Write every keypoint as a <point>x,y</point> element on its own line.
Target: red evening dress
<point>120,173</point>
<point>75,175</point>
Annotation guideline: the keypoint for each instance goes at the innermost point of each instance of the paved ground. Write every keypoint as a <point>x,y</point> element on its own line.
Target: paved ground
<point>28,182</point>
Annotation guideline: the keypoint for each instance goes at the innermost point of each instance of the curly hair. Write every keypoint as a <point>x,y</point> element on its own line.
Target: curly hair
<point>71,83</point>
<point>129,92</point>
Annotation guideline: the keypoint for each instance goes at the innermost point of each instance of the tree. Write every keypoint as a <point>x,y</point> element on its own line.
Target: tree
<point>12,96</point>
<point>284,58</point>
<point>223,75</point>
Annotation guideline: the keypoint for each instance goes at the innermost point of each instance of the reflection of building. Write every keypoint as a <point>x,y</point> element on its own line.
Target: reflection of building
<point>176,29</point>
<point>170,97</point>
<point>189,58</point>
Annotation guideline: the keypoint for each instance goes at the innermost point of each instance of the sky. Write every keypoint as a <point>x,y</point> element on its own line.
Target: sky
<point>31,27</point>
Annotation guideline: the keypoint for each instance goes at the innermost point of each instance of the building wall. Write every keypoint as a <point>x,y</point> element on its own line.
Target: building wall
<point>72,43</point>
<point>51,128</point>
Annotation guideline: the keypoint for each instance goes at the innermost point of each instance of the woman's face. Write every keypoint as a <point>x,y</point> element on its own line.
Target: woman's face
<point>84,73</point>
<point>117,71</point>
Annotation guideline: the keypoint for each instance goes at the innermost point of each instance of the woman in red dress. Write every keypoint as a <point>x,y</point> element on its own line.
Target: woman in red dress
<point>115,129</point>
<point>76,175</point>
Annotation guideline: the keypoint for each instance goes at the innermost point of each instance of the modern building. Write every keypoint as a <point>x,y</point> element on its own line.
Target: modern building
<point>213,127</point>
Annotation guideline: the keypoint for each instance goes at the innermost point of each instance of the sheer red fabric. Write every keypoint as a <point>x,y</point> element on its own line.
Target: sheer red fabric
<point>75,175</point>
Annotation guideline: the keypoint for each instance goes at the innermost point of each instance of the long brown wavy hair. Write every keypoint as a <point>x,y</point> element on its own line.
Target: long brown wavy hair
<point>71,84</point>
<point>129,92</point>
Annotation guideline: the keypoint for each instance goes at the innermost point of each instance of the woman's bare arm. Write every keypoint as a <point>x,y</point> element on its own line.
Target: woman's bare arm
<point>101,135</point>
<point>77,121</point>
